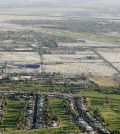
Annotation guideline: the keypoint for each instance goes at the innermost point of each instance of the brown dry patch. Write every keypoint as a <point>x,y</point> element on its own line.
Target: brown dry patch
<point>105,81</point>
<point>107,114</point>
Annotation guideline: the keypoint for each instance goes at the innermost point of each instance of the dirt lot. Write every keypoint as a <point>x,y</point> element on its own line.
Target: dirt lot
<point>24,57</point>
<point>93,69</point>
<point>105,81</point>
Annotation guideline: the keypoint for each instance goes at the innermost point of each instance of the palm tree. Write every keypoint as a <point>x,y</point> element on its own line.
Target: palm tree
<point>107,99</point>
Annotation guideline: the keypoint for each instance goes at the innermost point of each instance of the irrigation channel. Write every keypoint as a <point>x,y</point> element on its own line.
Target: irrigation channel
<point>35,113</point>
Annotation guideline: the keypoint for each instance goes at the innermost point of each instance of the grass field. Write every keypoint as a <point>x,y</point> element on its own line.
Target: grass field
<point>11,116</point>
<point>110,111</point>
<point>31,87</point>
<point>66,121</point>
<point>66,124</point>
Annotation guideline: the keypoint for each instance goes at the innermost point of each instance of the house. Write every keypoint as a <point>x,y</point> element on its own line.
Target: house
<point>15,78</point>
<point>29,112</point>
<point>82,123</point>
<point>55,124</point>
<point>105,131</point>
<point>25,78</point>
<point>89,128</point>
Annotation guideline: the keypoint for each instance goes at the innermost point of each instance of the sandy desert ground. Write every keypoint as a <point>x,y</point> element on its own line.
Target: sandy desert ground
<point>90,69</point>
<point>26,57</point>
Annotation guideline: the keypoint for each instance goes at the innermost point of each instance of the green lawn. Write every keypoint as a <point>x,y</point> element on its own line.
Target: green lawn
<point>42,131</point>
<point>31,87</point>
<point>11,116</point>
<point>66,124</point>
<point>66,121</point>
<point>110,111</point>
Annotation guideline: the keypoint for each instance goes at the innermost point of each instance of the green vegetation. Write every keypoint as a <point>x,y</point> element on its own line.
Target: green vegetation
<point>66,122</point>
<point>104,100</point>
<point>96,37</point>
<point>108,105</point>
<point>85,35</point>
<point>43,131</point>
<point>90,36</point>
<point>100,30</point>
<point>30,86</point>
<point>11,116</point>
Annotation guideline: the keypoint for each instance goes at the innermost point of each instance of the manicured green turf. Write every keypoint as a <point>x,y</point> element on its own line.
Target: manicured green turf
<point>110,111</point>
<point>11,116</point>
<point>43,131</point>
<point>66,124</point>
<point>66,120</point>
<point>31,87</point>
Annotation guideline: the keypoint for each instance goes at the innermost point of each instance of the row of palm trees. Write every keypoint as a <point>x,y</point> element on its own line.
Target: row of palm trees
<point>67,108</point>
<point>48,114</point>
<point>22,116</point>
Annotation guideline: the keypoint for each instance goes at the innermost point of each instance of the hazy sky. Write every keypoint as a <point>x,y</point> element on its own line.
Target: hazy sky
<point>77,2</point>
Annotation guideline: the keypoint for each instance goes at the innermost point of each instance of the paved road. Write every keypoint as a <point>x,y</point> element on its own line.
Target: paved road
<point>48,93</point>
<point>85,46</point>
<point>59,94</point>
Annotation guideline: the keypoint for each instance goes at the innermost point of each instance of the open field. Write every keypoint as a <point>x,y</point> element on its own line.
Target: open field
<point>25,57</point>
<point>42,131</point>
<point>72,33</point>
<point>105,81</point>
<point>66,120</point>
<point>28,87</point>
<point>70,58</point>
<point>17,61</point>
<point>87,43</point>
<point>12,69</point>
<point>11,116</point>
<point>117,65</point>
<point>110,111</point>
<point>95,69</point>
<point>111,55</point>
<point>87,62</point>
